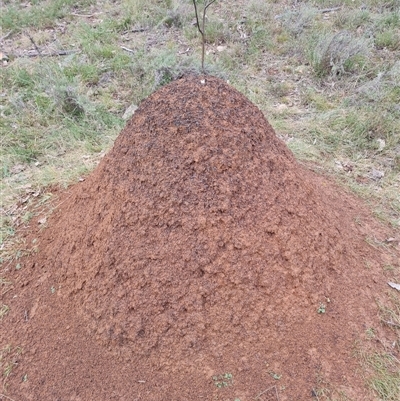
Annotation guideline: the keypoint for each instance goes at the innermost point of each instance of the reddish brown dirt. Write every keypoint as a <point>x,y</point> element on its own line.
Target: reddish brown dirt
<point>198,247</point>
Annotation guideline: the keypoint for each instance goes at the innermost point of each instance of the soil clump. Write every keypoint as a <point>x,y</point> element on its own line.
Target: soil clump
<point>199,260</point>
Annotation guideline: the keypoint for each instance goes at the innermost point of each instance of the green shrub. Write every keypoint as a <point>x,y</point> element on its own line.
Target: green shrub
<point>335,54</point>
<point>389,39</point>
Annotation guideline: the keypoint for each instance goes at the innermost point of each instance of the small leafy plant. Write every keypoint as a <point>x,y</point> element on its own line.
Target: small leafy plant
<point>224,380</point>
<point>275,376</point>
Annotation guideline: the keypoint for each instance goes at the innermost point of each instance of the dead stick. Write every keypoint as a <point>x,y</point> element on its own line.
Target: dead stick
<point>276,392</point>
<point>34,44</point>
<point>263,392</point>
<point>127,49</point>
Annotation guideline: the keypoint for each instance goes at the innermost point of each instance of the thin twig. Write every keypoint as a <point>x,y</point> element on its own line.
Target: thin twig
<point>204,15</point>
<point>197,17</point>
<point>5,36</point>
<point>139,30</point>
<point>34,44</point>
<point>203,48</point>
<point>127,49</point>
<point>209,4</point>
<point>268,389</point>
<point>202,29</point>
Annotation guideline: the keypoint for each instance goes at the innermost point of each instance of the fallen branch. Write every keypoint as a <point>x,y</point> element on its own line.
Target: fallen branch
<point>127,49</point>
<point>135,30</point>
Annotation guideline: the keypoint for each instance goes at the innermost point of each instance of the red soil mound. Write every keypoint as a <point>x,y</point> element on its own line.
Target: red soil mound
<point>191,264</point>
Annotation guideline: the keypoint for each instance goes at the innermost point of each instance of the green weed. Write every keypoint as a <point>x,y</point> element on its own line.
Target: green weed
<point>353,19</point>
<point>385,378</point>
<point>389,39</point>
<point>381,366</point>
<point>224,380</point>
<point>324,391</point>
<point>390,312</point>
<point>337,54</point>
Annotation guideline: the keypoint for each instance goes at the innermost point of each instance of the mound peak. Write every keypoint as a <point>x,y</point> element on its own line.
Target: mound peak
<point>200,246</point>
